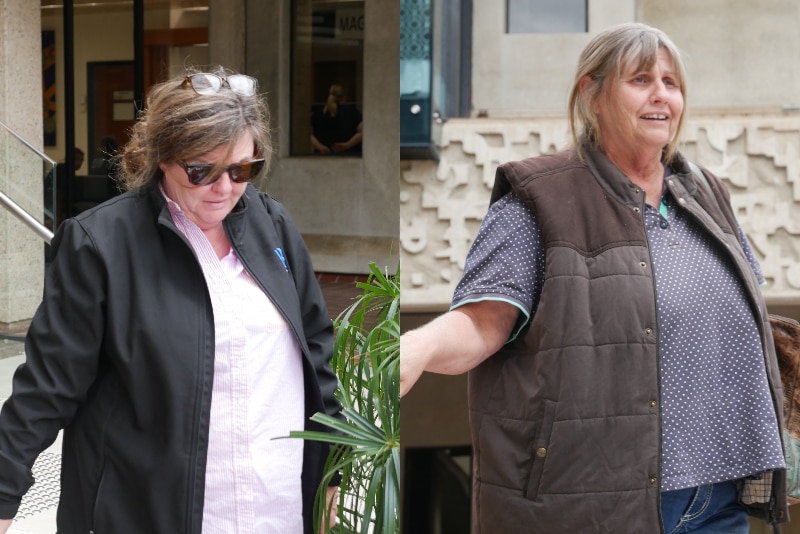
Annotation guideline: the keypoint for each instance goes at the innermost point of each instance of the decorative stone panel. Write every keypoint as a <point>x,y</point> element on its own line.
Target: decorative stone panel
<point>442,204</point>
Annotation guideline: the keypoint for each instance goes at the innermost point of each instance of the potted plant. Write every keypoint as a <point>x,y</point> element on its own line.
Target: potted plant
<point>366,443</point>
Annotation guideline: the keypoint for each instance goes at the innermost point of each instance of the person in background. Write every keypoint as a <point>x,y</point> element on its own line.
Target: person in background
<point>105,162</point>
<point>337,128</point>
<point>61,168</point>
<point>59,181</point>
<point>181,330</point>
<point>622,372</point>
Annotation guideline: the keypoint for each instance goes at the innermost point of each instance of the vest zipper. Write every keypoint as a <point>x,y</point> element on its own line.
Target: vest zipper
<point>643,207</point>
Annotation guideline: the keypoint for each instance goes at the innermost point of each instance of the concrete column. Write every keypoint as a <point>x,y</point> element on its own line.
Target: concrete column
<point>227,29</point>
<point>381,187</point>
<point>21,251</point>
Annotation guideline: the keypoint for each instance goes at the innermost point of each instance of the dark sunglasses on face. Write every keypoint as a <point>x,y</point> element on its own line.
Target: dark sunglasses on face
<point>204,83</point>
<point>200,173</point>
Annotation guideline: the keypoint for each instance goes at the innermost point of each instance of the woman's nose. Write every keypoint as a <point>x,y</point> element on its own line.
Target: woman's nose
<point>223,182</point>
<point>660,92</point>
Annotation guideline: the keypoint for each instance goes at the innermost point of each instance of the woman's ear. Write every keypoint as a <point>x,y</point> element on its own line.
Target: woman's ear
<point>585,83</point>
<point>585,86</point>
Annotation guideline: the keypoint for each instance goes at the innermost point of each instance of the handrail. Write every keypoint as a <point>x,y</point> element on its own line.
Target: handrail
<point>20,213</point>
<point>27,144</point>
<point>17,210</point>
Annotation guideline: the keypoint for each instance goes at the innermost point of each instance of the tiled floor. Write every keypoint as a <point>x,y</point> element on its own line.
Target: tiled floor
<point>37,513</point>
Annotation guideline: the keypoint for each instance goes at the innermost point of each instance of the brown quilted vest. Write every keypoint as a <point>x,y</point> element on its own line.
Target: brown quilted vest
<point>566,419</point>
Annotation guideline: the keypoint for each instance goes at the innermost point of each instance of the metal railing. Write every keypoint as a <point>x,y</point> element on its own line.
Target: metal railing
<point>28,219</point>
<point>27,144</point>
<point>21,158</point>
<point>18,211</point>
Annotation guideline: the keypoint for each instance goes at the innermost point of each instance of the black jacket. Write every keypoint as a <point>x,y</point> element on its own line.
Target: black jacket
<point>121,355</point>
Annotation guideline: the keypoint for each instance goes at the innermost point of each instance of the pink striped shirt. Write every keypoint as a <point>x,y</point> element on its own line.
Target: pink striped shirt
<point>252,481</point>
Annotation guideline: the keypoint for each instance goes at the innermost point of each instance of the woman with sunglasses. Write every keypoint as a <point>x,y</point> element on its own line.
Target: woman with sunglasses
<point>182,329</point>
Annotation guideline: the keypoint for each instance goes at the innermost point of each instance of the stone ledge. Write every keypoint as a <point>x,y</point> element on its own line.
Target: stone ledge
<point>17,328</point>
<point>352,254</point>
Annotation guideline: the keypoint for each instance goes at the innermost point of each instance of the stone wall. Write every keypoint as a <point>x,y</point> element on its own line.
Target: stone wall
<point>21,251</point>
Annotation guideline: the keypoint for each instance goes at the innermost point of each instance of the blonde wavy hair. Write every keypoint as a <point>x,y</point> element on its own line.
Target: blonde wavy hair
<point>611,53</point>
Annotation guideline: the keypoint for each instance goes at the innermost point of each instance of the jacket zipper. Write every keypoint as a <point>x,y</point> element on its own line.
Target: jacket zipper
<point>643,207</point>
<point>198,403</point>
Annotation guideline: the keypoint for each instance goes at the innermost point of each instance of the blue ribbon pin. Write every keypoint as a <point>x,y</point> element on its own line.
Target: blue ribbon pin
<point>282,257</point>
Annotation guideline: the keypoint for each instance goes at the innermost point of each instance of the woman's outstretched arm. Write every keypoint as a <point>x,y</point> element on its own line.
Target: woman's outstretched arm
<point>455,342</point>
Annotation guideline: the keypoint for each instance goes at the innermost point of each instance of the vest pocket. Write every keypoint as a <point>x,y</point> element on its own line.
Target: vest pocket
<point>539,451</point>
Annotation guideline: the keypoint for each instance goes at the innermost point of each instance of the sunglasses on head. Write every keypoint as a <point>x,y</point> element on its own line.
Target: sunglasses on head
<point>204,83</point>
<point>200,173</point>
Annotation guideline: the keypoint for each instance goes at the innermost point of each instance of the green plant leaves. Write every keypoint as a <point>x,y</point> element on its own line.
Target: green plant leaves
<point>366,444</point>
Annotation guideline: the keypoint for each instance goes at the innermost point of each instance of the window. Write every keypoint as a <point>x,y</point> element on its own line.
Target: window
<point>415,72</point>
<point>435,69</point>
<point>327,75</point>
<point>547,16</point>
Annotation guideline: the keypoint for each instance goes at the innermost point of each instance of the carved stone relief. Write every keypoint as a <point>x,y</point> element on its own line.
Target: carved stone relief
<point>442,204</point>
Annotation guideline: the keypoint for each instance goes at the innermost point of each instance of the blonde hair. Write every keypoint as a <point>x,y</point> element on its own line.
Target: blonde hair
<point>605,59</point>
<point>334,96</point>
<point>178,124</point>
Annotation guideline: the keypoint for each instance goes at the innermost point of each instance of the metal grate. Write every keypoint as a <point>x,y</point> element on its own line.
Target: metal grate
<point>44,493</point>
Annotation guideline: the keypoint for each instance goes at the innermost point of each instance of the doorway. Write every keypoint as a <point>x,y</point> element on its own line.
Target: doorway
<point>110,114</point>
<point>110,103</point>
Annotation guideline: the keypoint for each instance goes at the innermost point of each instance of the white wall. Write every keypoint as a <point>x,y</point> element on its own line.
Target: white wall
<point>529,74</point>
<point>739,54</point>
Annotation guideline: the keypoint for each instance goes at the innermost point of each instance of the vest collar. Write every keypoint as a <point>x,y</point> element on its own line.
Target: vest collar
<point>618,185</point>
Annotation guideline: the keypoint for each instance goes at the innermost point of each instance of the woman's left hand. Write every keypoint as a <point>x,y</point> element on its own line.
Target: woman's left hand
<point>332,500</point>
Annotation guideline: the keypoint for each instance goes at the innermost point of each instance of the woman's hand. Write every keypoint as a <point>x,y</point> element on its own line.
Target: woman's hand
<point>414,357</point>
<point>4,525</point>
<point>457,341</point>
<point>350,143</point>
<point>332,500</point>
<point>319,147</point>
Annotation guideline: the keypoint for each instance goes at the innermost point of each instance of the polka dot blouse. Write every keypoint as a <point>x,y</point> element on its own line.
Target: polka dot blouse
<point>718,421</point>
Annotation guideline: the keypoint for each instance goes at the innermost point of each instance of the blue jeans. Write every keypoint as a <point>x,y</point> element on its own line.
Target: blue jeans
<point>711,509</point>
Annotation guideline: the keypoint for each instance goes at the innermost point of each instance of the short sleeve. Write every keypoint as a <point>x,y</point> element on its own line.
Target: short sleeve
<point>506,260</point>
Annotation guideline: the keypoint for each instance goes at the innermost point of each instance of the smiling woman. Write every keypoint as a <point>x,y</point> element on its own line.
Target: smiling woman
<point>642,109</point>
<point>618,378</point>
